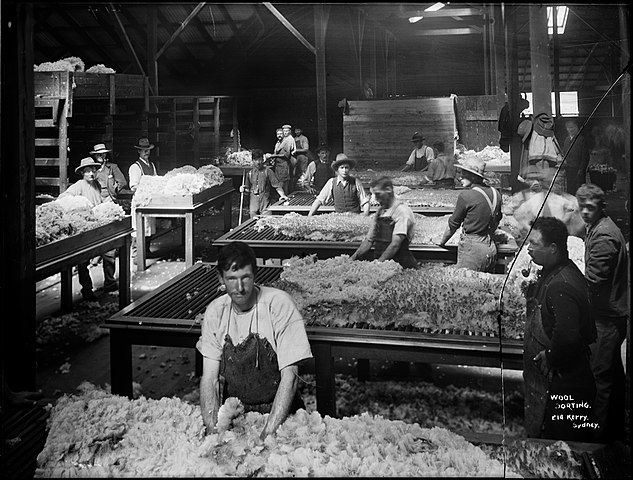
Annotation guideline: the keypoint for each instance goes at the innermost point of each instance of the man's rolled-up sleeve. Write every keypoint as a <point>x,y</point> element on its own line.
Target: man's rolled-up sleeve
<point>210,343</point>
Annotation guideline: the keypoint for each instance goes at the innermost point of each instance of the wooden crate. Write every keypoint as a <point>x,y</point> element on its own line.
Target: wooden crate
<point>477,121</point>
<point>189,200</point>
<point>65,246</point>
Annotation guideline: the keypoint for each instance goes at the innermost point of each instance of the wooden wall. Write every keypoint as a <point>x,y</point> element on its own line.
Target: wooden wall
<point>377,133</point>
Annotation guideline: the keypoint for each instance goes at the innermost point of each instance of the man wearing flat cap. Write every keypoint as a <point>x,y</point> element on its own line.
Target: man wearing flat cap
<point>89,188</point>
<point>421,155</point>
<point>347,192</point>
<point>319,171</point>
<point>109,175</point>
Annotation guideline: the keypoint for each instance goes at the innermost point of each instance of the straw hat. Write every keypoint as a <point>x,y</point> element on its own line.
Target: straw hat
<point>417,136</point>
<point>544,124</point>
<point>100,148</point>
<point>86,162</point>
<point>323,146</point>
<point>472,165</point>
<point>143,144</point>
<point>341,159</point>
<point>287,126</point>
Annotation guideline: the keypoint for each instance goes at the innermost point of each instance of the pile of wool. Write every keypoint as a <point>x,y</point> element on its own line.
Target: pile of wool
<point>96,434</point>
<point>100,68</point>
<point>68,64</point>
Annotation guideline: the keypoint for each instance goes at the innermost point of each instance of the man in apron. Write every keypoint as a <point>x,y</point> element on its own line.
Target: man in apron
<point>392,230</point>
<point>318,172</point>
<point>421,155</point>
<point>253,339</point>
<point>478,211</point>
<point>559,384</point>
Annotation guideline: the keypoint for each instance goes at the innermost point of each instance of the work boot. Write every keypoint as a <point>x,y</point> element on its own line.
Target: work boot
<point>111,287</point>
<point>88,295</point>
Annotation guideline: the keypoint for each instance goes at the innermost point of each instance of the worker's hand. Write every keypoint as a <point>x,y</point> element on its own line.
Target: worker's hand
<point>311,190</point>
<point>242,189</point>
<point>284,198</point>
<point>541,362</point>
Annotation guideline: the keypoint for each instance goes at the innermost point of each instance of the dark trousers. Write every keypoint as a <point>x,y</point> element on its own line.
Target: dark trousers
<point>109,266</point>
<point>608,371</point>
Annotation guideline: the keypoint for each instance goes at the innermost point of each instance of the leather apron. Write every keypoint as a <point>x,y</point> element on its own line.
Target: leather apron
<point>382,238</point>
<point>251,373</point>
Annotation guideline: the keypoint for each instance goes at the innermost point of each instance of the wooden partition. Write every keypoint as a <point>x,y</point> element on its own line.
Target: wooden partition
<point>191,130</point>
<point>377,133</point>
<point>76,110</point>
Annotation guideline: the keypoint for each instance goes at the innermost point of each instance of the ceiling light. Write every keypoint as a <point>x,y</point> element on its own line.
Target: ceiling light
<point>415,19</point>
<point>435,7</point>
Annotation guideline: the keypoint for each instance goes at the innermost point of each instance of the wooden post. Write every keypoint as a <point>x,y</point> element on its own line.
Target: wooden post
<point>216,127</point>
<point>152,43</point>
<point>321,14</point>
<point>17,180</point>
<point>500,64</point>
<point>539,60</point>
<point>196,131</point>
<point>556,52</point>
<point>236,128</point>
<point>512,81</point>
<point>62,149</point>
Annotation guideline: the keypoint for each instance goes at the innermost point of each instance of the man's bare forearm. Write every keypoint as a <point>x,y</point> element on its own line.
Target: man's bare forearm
<point>283,400</point>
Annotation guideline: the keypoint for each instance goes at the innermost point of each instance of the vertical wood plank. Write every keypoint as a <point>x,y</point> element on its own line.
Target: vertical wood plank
<point>321,14</point>
<point>216,127</point>
<point>17,215</point>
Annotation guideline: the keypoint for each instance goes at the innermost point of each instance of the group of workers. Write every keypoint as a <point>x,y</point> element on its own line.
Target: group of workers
<point>253,338</point>
<point>102,181</point>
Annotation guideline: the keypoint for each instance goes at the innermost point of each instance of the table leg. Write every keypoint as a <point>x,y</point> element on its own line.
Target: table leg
<point>120,363</point>
<point>363,369</point>
<point>189,239</point>
<point>125,294</point>
<point>140,241</point>
<point>324,373</point>
<point>66,286</point>
<point>227,214</point>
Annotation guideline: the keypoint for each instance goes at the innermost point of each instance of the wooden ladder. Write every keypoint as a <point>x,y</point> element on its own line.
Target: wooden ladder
<point>51,130</point>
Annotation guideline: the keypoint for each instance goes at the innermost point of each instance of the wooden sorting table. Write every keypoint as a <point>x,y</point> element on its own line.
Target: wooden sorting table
<point>269,244</point>
<point>300,202</point>
<point>185,207</point>
<point>167,317</point>
<point>60,257</point>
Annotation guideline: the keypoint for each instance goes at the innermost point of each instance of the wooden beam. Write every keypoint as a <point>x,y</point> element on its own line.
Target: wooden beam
<point>81,31</point>
<point>209,40</point>
<point>321,17</point>
<point>191,59</point>
<point>539,60</point>
<point>290,27</point>
<point>444,12</point>
<point>17,215</point>
<point>126,41</point>
<point>448,31</point>
<point>152,44</point>
<point>183,25</point>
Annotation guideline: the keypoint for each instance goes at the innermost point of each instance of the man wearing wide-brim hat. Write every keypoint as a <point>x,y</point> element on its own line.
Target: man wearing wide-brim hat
<point>347,192</point>
<point>88,187</point>
<point>420,156</point>
<point>112,181</point>
<point>109,175</point>
<point>142,166</point>
<point>478,212</point>
<point>318,172</point>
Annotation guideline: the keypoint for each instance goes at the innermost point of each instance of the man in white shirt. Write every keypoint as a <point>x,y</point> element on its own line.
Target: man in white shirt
<point>347,192</point>
<point>142,166</point>
<point>421,155</point>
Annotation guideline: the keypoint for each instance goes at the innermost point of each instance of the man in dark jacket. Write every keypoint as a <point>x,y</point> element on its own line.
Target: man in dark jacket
<point>577,158</point>
<point>559,330</point>
<point>606,274</point>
